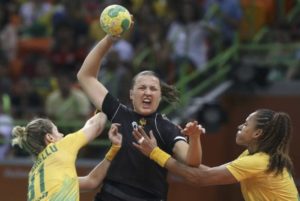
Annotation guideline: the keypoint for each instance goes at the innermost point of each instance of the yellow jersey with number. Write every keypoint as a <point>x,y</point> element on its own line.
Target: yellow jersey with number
<point>256,184</point>
<point>53,176</point>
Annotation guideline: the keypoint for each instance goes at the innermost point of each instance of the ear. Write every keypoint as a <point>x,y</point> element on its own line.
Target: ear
<point>258,133</point>
<point>48,138</point>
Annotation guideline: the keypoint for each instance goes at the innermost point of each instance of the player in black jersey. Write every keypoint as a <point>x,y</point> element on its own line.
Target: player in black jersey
<point>132,176</point>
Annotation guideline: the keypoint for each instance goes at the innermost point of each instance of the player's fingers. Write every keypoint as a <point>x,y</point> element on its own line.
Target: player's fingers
<point>151,135</point>
<point>136,135</point>
<point>115,127</point>
<point>132,20</point>
<point>142,132</point>
<point>136,145</point>
<point>116,124</point>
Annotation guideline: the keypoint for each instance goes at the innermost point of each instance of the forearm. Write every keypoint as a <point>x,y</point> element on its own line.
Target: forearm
<point>87,75</point>
<point>202,175</point>
<point>191,175</point>
<point>93,60</point>
<point>194,153</point>
<point>96,119</point>
<point>197,176</point>
<point>95,177</point>
<point>94,126</point>
<point>173,166</point>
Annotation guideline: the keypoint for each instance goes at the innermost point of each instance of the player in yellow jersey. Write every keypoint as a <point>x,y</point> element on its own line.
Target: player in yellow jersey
<point>264,169</point>
<point>53,176</point>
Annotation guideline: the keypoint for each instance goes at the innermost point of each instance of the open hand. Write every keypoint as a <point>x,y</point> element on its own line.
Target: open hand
<point>144,143</point>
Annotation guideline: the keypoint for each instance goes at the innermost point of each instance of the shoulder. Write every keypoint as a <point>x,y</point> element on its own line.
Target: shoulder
<point>258,161</point>
<point>165,122</point>
<point>164,119</point>
<point>78,136</point>
<point>167,128</point>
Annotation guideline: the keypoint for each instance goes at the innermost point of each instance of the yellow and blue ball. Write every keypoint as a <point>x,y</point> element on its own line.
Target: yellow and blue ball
<point>115,20</point>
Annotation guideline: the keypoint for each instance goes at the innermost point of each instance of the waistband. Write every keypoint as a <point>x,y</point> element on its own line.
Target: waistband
<point>118,193</point>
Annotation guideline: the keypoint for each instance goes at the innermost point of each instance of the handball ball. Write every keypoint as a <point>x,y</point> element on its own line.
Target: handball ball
<point>115,20</point>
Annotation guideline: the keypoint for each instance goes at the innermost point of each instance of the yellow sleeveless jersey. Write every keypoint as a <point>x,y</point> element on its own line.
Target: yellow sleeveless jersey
<point>256,184</point>
<point>53,176</point>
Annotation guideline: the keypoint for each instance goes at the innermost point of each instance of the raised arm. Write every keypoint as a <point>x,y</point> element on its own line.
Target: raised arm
<point>87,75</point>
<point>94,126</point>
<point>190,154</point>
<point>96,176</point>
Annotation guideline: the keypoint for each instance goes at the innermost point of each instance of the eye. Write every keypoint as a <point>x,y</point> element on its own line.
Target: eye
<point>142,87</point>
<point>153,89</point>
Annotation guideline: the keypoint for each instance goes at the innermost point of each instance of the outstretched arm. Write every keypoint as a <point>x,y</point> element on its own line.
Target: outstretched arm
<point>198,176</point>
<point>96,176</point>
<point>94,126</point>
<point>87,75</point>
<point>202,175</point>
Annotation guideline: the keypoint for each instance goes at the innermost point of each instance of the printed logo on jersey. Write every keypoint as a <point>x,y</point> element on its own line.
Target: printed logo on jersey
<point>134,125</point>
<point>142,122</point>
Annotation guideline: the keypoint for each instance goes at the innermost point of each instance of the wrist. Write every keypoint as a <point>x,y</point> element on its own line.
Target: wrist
<point>112,38</point>
<point>159,156</point>
<point>194,137</point>
<point>112,152</point>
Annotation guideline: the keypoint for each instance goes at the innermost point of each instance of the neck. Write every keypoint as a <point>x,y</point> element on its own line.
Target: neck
<point>252,148</point>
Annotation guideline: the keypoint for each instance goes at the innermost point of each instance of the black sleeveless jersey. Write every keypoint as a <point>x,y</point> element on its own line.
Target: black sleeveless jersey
<point>130,167</point>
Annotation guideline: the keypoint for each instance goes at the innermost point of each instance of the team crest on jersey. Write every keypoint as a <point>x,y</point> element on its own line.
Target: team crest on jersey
<point>142,122</point>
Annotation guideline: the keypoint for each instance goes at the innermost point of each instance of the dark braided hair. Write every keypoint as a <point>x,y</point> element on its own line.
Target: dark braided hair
<point>169,93</point>
<point>275,139</point>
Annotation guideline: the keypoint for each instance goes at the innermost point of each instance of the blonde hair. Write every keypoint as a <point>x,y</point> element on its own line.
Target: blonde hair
<point>31,138</point>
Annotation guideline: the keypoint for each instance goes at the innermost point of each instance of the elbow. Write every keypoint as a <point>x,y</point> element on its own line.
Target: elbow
<point>80,76</point>
<point>194,177</point>
<point>192,180</point>
<point>82,79</point>
<point>92,185</point>
<point>194,163</point>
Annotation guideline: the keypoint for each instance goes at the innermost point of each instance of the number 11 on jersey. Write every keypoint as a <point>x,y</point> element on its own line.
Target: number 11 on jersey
<point>36,180</point>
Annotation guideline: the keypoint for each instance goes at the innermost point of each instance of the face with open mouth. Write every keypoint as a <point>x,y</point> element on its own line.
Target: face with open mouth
<point>146,94</point>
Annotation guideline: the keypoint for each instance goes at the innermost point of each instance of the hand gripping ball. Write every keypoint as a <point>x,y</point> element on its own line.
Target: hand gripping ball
<point>115,20</point>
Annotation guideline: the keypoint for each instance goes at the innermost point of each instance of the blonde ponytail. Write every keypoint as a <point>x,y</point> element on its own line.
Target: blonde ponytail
<point>19,136</point>
<point>32,137</point>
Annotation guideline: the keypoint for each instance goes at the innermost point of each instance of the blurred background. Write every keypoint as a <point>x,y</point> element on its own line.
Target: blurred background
<point>226,57</point>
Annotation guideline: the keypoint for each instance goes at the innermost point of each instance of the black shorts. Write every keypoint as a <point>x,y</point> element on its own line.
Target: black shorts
<point>103,196</point>
<point>112,193</point>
